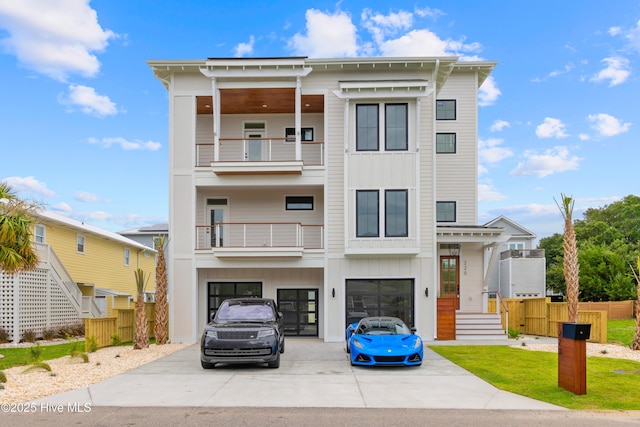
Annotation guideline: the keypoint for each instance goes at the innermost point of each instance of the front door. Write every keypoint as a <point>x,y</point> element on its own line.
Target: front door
<point>450,278</point>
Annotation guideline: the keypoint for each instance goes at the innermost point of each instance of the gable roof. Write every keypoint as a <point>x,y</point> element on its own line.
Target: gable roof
<point>80,226</point>
<point>504,220</point>
<point>150,229</point>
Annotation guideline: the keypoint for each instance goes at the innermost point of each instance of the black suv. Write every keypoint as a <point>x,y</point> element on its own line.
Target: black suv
<point>244,330</point>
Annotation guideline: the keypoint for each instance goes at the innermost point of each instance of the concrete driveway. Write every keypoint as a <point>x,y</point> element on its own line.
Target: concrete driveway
<point>312,373</point>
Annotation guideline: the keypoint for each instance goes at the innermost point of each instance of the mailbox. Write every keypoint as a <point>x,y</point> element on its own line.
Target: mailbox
<point>576,331</point>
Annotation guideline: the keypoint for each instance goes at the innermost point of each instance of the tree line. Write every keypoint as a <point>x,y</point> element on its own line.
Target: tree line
<point>608,242</point>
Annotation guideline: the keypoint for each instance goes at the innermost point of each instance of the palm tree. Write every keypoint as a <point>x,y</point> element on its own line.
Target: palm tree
<point>162,306</point>
<point>17,252</point>
<point>570,263</point>
<point>141,338</point>
<point>635,345</point>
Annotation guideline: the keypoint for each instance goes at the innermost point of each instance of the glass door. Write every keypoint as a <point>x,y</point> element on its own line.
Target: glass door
<point>450,278</point>
<point>300,310</point>
<point>217,216</point>
<point>255,147</point>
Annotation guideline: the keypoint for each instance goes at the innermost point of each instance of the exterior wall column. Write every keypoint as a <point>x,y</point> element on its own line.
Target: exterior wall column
<point>298,114</point>
<point>215,93</point>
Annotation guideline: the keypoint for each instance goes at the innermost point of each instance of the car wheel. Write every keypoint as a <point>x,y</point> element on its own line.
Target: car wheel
<point>206,365</point>
<point>275,363</point>
<point>282,347</point>
<point>348,348</point>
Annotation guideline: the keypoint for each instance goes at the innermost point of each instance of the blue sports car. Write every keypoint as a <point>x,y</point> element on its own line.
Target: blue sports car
<point>383,341</point>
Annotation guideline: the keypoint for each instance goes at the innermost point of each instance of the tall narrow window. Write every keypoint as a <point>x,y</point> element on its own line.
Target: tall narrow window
<point>80,243</point>
<point>367,127</point>
<point>39,231</point>
<point>445,143</point>
<point>367,213</point>
<point>126,256</point>
<point>445,211</point>
<point>396,135</point>
<point>396,211</point>
<point>446,109</point>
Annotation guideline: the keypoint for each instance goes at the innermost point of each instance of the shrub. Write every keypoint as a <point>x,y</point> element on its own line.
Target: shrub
<point>80,354</point>
<point>29,336</point>
<point>92,344</point>
<point>35,352</point>
<point>37,365</point>
<point>115,340</point>
<point>3,377</point>
<point>48,334</point>
<point>513,333</point>
<point>4,336</point>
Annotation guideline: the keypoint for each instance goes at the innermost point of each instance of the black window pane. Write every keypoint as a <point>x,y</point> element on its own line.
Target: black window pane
<point>396,213</point>
<point>367,214</point>
<point>396,127</point>
<point>366,127</point>
<point>445,143</point>
<point>299,203</point>
<point>446,109</point>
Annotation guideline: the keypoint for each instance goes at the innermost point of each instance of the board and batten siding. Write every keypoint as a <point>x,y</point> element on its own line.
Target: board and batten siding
<point>457,173</point>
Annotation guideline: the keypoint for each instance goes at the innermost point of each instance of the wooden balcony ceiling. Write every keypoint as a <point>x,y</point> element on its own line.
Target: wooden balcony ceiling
<point>260,101</point>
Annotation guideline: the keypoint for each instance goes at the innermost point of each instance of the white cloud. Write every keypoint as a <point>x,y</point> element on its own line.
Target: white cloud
<point>327,36</point>
<point>244,49</point>
<point>551,128</point>
<point>489,150</point>
<point>584,137</point>
<point>617,71</point>
<point>607,125</point>
<point>482,170</point>
<point>61,207</point>
<point>125,144</point>
<point>429,12</point>
<point>86,197</point>
<point>54,37</point>
<point>566,69</point>
<point>29,184</point>
<point>382,26</point>
<point>89,101</point>
<point>498,125</point>
<point>554,160</point>
<point>487,193</point>
<point>488,92</point>
<point>614,31</point>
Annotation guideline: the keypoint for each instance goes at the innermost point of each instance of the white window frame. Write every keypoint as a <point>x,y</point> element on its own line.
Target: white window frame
<point>40,233</point>
<point>127,257</point>
<point>81,244</point>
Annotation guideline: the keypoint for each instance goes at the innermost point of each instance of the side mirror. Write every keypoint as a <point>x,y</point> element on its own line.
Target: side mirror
<point>280,315</point>
<point>212,315</point>
<point>413,330</point>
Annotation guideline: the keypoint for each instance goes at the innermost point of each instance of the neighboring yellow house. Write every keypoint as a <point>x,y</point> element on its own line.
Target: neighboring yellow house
<point>84,271</point>
<point>101,262</point>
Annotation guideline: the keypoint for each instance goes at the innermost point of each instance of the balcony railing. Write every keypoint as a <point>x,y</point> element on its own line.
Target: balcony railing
<point>522,253</point>
<point>260,150</point>
<point>260,235</point>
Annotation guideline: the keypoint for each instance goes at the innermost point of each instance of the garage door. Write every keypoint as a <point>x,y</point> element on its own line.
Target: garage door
<point>380,297</point>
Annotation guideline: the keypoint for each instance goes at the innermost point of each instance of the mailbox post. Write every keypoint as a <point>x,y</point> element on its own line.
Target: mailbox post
<point>572,356</point>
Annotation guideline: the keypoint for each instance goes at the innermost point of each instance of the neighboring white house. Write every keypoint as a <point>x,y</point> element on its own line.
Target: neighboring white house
<point>520,269</point>
<point>334,186</point>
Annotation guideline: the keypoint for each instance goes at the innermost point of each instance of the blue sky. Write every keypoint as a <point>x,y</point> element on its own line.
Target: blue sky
<point>84,122</point>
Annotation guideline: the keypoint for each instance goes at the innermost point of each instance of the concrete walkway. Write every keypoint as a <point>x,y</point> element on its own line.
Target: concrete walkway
<point>312,373</point>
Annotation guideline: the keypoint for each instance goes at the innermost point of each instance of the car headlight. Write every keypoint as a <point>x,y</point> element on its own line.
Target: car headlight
<point>211,334</point>
<point>357,343</point>
<point>266,333</point>
<point>418,343</point>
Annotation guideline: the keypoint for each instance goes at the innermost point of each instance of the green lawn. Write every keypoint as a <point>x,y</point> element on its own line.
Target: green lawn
<point>612,384</point>
<point>23,356</point>
<point>621,331</point>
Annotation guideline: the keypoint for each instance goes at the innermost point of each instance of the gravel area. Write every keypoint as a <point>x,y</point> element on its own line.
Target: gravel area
<point>528,342</point>
<point>69,373</point>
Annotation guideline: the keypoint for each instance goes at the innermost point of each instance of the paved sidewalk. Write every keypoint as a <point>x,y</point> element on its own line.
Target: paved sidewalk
<point>312,373</point>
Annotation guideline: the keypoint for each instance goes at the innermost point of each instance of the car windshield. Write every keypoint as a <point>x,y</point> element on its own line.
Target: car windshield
<point>382,326</point>
<point>244,312</point>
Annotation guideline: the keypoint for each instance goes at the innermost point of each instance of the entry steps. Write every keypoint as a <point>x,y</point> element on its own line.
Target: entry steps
<point>479,326</point>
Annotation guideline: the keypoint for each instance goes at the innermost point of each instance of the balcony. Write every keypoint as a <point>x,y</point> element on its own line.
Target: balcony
<point>247,156</point>
<point>259,240</point>
<point>522,253</point>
